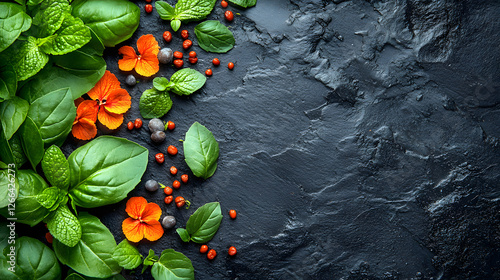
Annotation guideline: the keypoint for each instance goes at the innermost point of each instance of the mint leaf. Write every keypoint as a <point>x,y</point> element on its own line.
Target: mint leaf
<point>213,36</point>
<point>31,141</point>
<point>127,255</point>
<point>175,24</point>
<point>72,35</point>
<point>50,16</point>
<point>56,167</point>
<point>64,226</point>
<point>12,115</point>
<point>204,222</point>
<point>186,81</point>
<point>190,10</point>
<point>8,82</point>
<point>48,197</point>
<point>149,260</point>
<point>201,151</point>
<point>173,265</point>
<point>183,234</point>
<point>13,21</point>
<point>164,9</point>
<point>244,3</point>
<point>154,104</point>
<point>26,58</point>
<point>160,83</point>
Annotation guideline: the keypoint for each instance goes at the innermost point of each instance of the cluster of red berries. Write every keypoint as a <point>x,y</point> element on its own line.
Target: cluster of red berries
<point>136,124</point>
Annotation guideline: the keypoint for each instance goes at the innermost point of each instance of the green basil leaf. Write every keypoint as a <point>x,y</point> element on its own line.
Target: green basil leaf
<point>28,210</point>
<point>76,276</point>
<point>164,9</point>
<point>13,21</point>
<point>72,35</point>
<point>160,83</point>
<point>49,197</point>
<point>183,234</point>
<point>9,187</point>
<point>154,103</point>
<point>244,3</point>
<point>186,81</point>
<point>26,58</point>
<point>127,255</point>
<point>31,141</point>
<point>33,2</point>
<point>54,114</point>
<point>175,24</point>
<point>34,260</point>
<point>8,82</point>
<point>114,21</point>
<point>204,222</point>
<point>12,115</point>
<point>56,167</point>
<point>190,10</point>
<point>213,36</point>
<point>92,255</point>
<point>50,16</point>
<point>173,265</point>
<point>12,151</point>
<point>64,226</point>
<point>105,170</point>
<point>201,151</point>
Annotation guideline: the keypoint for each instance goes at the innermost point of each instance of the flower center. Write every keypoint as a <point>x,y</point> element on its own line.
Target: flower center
<point>102,102</point>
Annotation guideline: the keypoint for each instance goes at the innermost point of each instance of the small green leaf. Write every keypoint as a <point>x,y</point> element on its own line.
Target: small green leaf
<point>173,265</point>
<point>201,151</point>
<point>214,37</point>
<point>31,141</point>
<point>191,10</point>
<point>12,115</point>
<point>13,21</point>
<point>8,82</point>
<point>149,260</point>
<point>244,3</point>
<point>127,255</point>
<point>204,222</point>
<point>56,167</point>
<point>72,35</point>
<point>50,16</point>
<point>165,10</point>
<point>175,24</point>
<point>183,234</point>
<point>64,226</point>
<point>160,83</point>
<point>154,103</point>
<point>49,197</point>
<point>186,81</point>
<point>26,58</point>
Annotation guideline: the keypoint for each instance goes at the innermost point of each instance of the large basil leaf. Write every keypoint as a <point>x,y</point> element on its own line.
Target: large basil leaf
<point>26,58</point>
<point>13,21</point>
<point>127,255</point>
<point>64,226</point>
<point>9,188</point>
<point>213,36</point>
<point>12,115</point>
<point>244,3</point>
<point>114,21</point>
<point>56,167</point>
<point>186,81</point>
<point>50,16</point>
<point>28,209</point>
<point>190,10</point>
<point>201,151</point>
<point>54,114</point>
<point>34,260</point>
<point>105,170</point>
<point>72,35</point>
<point>8,82</point>
<point>93,254</point>
<point>165,10</point>
<point>154,103</point>
<point>173,265</point>
<point>204,222</point>
<point>31,141</point>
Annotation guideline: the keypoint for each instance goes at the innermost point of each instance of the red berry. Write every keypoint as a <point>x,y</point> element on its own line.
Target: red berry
<point>138,123</point>
<point>130,125</point>
<point>173,170</point>
<point>211,254</point>
<point>216,61</point>
<point>148,8</point>
<point>49,237</point>
<point>178,63</point>
<point>192,54</point>
<point>229,15</point>
<point>148,1</point>
<point>184,34</point>
<point>208,72</point>
<point>160,158</point>
<point>232,251</point>
<point>167,36</point>
<point>187,44</point>
<point>232,214</point>
<point>169,199</point>
<point>168,190</point>
<point>176,184</point>
<point>223,3</point>
<point>184,178</point>
<point>178,55</point>
<point>180,201</point>
<point>230,65</point>
<point>203,249</point>
<point>193,60</point>
<point>170,125</point>
<point>171,150</point>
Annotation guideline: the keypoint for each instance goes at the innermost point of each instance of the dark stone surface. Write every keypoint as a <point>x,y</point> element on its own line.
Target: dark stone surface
<point>358,139</point>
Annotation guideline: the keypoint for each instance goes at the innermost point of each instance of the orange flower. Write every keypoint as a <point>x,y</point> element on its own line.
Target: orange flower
<point>113,101</point>
<point>143,221</point>
<point>86,115</point>
<point>146,63</point>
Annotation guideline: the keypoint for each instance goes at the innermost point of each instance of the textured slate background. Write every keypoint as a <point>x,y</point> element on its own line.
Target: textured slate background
<point>358,139</point>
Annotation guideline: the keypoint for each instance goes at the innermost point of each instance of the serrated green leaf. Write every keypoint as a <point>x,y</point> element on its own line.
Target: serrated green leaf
<point>189,10</point>
<point>50,16</point>
<point>213,36</point>
<point>186,81</point>
<point>154,103</point>
<point>56,167</point>
<point>244,3</point>
<point>201,151</point>
<point>13,21</point>
<point>12,115</point>
<point>72,35</point>
<point>64,226</point>
<point>173,265</point>
<point>8,82</point>
<point>26,58</point>
<point>160,83</point>
<point>127,255</point>
<point>48,197</point>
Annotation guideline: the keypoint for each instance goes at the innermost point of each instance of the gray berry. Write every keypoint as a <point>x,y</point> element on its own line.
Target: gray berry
<point>165,55</point>
<point>156,125</point>
<point>151,185</point>
<point>131,81</point>
<point>168,222</point>
<point>158,136</point>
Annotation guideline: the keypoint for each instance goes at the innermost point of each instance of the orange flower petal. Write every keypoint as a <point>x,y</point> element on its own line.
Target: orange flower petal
<point>148,65</point>
<point>152,230</point>
<point>135,206</point>
<point>87,110</point>
<point>147,44</point>
<point>151,213</point>
<point>84,129</point>
<point>118,101</point>
<point>106,84</point>
<point>133,229</point>
<point>110,120</point>
<point>127,63</point>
